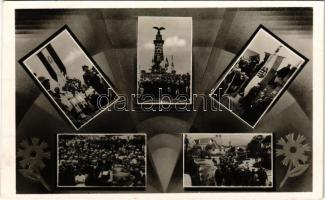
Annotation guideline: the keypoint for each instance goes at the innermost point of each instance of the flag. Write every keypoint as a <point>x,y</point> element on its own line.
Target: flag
<point>48,67</point>
<point>272,70</point>
<point>56,58</point>
<point>262,72</point>
<point>277,62</point>
<point>52,62</point>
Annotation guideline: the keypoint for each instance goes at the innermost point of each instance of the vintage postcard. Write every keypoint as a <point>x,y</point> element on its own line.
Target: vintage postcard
<point>162,100</point>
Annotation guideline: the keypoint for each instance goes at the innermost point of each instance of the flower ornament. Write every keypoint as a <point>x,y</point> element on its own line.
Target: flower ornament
<point>32,156</point>
<point>294,152</point>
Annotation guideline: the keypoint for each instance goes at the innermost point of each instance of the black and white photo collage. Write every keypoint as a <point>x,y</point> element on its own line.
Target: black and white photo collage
<point>164,100</point>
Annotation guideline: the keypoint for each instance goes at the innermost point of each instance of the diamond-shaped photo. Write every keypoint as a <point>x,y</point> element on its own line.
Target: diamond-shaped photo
<point>70,78</point>
<point>258,76</point>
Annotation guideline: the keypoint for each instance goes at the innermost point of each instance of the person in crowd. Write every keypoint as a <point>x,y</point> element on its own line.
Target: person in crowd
<point>80,179</point>
<point>92,78</point>
<point>46,83</point>
<point>262,176</point>
<point>254,108</point>
<point>282,76</point>
<point>209,147</point>
<point>59,98</point>
<point>218,176</point>
<point>94,171</point>
<point>234,82</point>
<point>77,107</point>
<point>262,101</point>
<point>247,100</point>
<point>66,171</point>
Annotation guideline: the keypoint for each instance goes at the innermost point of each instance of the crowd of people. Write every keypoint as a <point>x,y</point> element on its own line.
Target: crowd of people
<point>95,160</point>
<point>78,100</point>
<point>253,102</point>
<point>171,84</point>
<point>234,167</point>
<point>228,173</point>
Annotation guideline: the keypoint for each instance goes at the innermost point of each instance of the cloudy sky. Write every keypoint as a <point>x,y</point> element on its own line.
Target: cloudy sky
<point>70,54</point>
<point>177,37</point>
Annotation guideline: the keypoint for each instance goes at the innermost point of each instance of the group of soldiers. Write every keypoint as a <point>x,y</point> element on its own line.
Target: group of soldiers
<point>101,161</point>
<point>170,84</point>
<point>228,173</point>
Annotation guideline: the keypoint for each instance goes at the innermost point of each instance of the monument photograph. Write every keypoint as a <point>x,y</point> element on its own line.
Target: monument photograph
<point>164,68</point>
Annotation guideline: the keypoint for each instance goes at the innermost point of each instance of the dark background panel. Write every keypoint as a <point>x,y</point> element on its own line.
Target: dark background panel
<point>110,37</point>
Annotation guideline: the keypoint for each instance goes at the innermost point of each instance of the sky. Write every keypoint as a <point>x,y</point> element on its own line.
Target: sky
<point>70,54</point>
<point>177,37</point>
<point>264,42</point>
<point>236,139</point>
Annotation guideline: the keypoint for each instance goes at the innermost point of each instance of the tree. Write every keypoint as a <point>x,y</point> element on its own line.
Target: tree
<point>254,146</point>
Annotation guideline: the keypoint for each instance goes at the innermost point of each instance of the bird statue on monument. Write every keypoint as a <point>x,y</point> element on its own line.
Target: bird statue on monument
<point>159,29</point>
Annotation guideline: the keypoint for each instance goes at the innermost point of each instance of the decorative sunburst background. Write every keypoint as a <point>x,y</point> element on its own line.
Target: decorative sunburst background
<point>110,36</point>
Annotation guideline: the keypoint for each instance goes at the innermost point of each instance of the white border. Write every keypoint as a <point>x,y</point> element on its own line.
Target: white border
<point>191,64</point>
<point>8,126</point>
<point>232,187</point>
<point>284,87</point>
<point>53,100</point>
<point>103,134</point>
